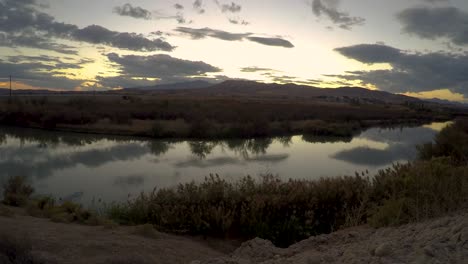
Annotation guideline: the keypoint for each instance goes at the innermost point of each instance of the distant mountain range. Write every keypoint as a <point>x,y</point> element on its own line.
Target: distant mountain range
<point>446,102</point>
<point>285,91</point>
<point>173,86</point>
<point>252,89</point>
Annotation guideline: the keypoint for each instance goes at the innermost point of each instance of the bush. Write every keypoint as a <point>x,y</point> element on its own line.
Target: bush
<point>16,192</point>
<point>450,142</point>
<point>418,191</point>
<point>284,212</point>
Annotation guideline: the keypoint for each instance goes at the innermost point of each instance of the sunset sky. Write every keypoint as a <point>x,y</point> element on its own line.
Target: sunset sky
<point>415,47</point>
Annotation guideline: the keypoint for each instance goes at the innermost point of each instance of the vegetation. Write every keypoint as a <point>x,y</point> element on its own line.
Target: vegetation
<point>165,116</point>
<point>288,211</point>
<point>16,192</point>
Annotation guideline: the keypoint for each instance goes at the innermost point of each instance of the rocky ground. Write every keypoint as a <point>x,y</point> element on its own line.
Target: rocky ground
<point>443,240</point>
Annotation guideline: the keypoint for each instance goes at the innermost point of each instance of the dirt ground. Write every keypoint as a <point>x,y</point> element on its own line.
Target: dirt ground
<point>76,244</point>
<point>442,240</point>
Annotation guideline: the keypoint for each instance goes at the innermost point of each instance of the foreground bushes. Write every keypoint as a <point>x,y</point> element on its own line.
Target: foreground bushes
<point>286,212</point>
<point>281,211</point>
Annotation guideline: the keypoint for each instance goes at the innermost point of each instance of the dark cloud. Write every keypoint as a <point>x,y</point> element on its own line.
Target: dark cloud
<point>99,35</point>
<point>198,6</point>
<point>178,6</point>
<point>22,24</point>
<point>411,72</point>
<point>39,74</point>
<point>132,11</point>
<point>256,69</point>
<point>236,21</point>
<point>31,39</point>
<point>433,23</point>
<point>202,33</point>
<point>278,42</point>
<point>139,70</point>
<point>232,8</point>
<point>330,10</point>
<point>371,53</point>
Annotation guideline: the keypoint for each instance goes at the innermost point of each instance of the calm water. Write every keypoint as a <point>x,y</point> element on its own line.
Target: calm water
<point>83,167</point>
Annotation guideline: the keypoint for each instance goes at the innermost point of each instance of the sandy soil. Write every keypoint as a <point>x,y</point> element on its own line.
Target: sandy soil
<point>73,244</point>
<point>443,240</point>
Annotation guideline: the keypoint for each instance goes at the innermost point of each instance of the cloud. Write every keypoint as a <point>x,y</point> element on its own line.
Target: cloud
<point>256,69</point>
<point>329,9</point>
<point>433,23</point>
<point>371,54</point>
<point>178,6</point>
<point>99,35</point>
<point>202,33</point>
<point>278,42</point>
<point>47,74</point>
<point>21,24</point>
<point>232,8</point>
<point>31,39</point>
<point>236,21</point>
<point>132,11</point>
<point>411,72</point>
<point>138,70</point>
<point>198,6</point>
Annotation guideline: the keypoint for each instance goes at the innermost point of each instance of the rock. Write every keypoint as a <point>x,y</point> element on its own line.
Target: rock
<point>353,234</point>
<point>457,228</point>
<point>429,251</point>
<point>257,250</point>
<point>383,250</point>
<point>313,260</point>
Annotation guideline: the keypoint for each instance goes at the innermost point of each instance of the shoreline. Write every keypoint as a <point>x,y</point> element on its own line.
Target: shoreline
<point>351,130</point>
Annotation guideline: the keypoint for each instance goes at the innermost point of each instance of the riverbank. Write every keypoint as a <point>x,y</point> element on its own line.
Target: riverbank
<point>40,241</point>
<point>209,118</point>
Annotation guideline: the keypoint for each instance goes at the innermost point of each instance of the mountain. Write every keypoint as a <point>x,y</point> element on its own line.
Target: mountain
<point>292,91</point>
<point>446,102</point>
<point>173,86</point>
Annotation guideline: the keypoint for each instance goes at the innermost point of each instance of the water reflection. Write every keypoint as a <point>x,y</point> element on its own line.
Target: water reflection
<point>111,168</point>
<point>400,142</point>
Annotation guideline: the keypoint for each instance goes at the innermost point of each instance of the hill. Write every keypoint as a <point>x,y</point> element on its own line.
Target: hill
<point>236,88</point>
<point>173,86</point>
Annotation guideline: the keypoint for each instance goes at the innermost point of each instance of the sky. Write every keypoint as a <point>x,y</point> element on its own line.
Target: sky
<point>413,47</point>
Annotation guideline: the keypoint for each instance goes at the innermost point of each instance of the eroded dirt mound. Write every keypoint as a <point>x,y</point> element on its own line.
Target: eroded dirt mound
<point>444,240</point>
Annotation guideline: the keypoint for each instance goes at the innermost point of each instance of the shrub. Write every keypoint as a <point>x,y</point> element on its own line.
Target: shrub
<point>16,192</point>
<point>417,191</point>
<point>284,212</point>
<point>450,142</point>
